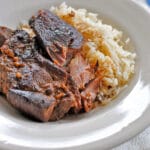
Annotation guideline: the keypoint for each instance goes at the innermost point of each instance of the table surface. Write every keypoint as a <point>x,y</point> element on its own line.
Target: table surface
<point>141,141</point>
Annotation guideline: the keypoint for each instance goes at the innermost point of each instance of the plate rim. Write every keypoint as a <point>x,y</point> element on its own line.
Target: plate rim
<point>115,142</point>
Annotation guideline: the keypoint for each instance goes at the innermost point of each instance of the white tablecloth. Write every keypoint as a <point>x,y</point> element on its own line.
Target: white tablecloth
<point>141,141</point>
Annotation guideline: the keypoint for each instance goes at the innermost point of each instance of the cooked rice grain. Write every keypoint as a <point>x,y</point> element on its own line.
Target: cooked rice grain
<point>102,45</point>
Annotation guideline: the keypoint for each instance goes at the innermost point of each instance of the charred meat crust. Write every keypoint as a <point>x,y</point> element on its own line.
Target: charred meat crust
<point>58,39</point>
<point>33,103</point>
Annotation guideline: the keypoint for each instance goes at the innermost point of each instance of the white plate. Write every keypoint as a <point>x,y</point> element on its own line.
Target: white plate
<point>102,128</point>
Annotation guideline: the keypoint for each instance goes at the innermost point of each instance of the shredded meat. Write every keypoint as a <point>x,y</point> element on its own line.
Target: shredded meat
<point>34,86</point>
<point>46,76</point>
<point>90,93</point>
<point>80,71</point>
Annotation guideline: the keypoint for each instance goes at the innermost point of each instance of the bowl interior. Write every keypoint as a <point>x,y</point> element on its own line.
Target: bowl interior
<point>102,123</point>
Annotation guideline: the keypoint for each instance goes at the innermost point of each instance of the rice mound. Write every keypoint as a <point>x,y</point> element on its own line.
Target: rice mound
<point>102,46</point>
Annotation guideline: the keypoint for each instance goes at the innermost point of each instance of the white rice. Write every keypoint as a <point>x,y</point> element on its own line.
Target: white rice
<point>102,45</point>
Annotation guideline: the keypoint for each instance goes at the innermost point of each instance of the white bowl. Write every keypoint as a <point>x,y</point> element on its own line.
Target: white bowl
<point>104,127</point>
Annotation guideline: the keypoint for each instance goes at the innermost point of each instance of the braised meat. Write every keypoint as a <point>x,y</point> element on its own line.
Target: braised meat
<point>36,104</point>
<point>31,83</point>
<point>5,33</point>
<point>80,71</point>
<point>89,94</point>
<point>60,40</point>
<point>46,76</point>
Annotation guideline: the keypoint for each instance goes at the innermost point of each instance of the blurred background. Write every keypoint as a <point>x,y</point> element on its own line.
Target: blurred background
<point>148,2</point>
<point>145,1</point>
